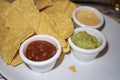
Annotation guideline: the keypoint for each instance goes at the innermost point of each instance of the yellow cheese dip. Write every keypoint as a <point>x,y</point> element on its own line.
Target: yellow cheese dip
<point>87,17</point>
<point>84,40</point>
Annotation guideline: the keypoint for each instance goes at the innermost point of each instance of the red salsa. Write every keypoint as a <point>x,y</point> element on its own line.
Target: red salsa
<point>40,50</point>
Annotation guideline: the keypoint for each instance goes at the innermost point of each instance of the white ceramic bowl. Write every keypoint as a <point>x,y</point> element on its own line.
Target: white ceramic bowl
<point>97,12</point>
<point>86,55</point>
<point>40,66</point>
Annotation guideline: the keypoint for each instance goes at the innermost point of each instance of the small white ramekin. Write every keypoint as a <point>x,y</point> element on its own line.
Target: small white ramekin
<point>40,66</point>
<point>86,55</point>
<point>97,12</point>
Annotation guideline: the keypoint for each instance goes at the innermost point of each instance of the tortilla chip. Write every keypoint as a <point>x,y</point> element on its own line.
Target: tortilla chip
<point>70,8</point>
<point>72,68</point>
<point>16,61</point>
<point>41,4</point>
<point>47,26</point>
<point>3,32</point>
<point>3,6</point>
<point>50,25</point>
<point>58,21</point>
<point>50,3</point>
<point>64,25</point>
<point>19,30</point>
<point>28,11</point>
<point>58,6</point>
<point>59,0</point>
<point>22,18</point>
<point>67,48</point>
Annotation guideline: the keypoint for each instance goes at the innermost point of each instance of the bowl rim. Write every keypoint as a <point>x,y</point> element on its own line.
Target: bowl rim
<point>88,51</point>
<point>96,11</point>
<point>39,63</point>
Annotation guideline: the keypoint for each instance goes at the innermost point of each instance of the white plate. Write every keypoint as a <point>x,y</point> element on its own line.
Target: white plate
<point>106,67</point>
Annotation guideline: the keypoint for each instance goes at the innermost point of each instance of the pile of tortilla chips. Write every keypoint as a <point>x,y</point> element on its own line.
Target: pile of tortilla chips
<point>24,18</point>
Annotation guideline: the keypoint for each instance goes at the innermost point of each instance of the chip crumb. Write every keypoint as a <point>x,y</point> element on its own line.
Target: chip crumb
<point>72,68</point>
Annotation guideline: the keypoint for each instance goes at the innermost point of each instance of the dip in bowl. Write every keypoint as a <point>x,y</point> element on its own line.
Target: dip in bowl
<point>40,52</point>
<point>86,16</point>
<point>86,45</point>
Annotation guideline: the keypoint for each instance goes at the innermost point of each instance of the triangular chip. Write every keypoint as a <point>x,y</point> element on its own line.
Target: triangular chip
<point>41,4</point>
<point>63,22</point>
<point>71,7</point>
<point>16,61</point>
<point>3,32</point>
<point>3,6</point>
<point>19,30</point>
<point>72,68</point>
<point>49,26</point>
<point>58,6</point>
<point>64,25</point>
<point>22,18</point>
<point>28,11</point>
<point>59,0</point>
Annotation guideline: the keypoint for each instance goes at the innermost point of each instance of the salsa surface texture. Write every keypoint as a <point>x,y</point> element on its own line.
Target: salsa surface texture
<point>40,50</point>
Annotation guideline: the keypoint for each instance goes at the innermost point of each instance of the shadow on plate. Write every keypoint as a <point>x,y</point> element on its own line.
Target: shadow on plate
<point>104,51</point>
<point>59,61</point>
<point>102,27</point>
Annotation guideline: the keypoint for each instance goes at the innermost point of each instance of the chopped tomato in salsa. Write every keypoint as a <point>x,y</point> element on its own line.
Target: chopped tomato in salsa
<point>40,50</point>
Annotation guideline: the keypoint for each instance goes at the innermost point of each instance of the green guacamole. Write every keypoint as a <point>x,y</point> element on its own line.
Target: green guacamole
<point>84,40</point>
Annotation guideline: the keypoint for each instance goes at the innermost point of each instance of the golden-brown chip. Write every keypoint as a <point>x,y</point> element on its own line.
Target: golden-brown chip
<point>17,60</point>
<point>3,6</point>
<point>63,22</point>
<point>58,6</point>
<point>19,30</point>
<point>28,11</point>
<point>72,68</point>
<point>64,25</point>
<point>47,26</point>
<point>59,0</point>
<point>67,48</point>
<point>41,4</point>
<point>50,3</point>
<point>22,18</point>
<point>3,32</point>
<point>70,9</point>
